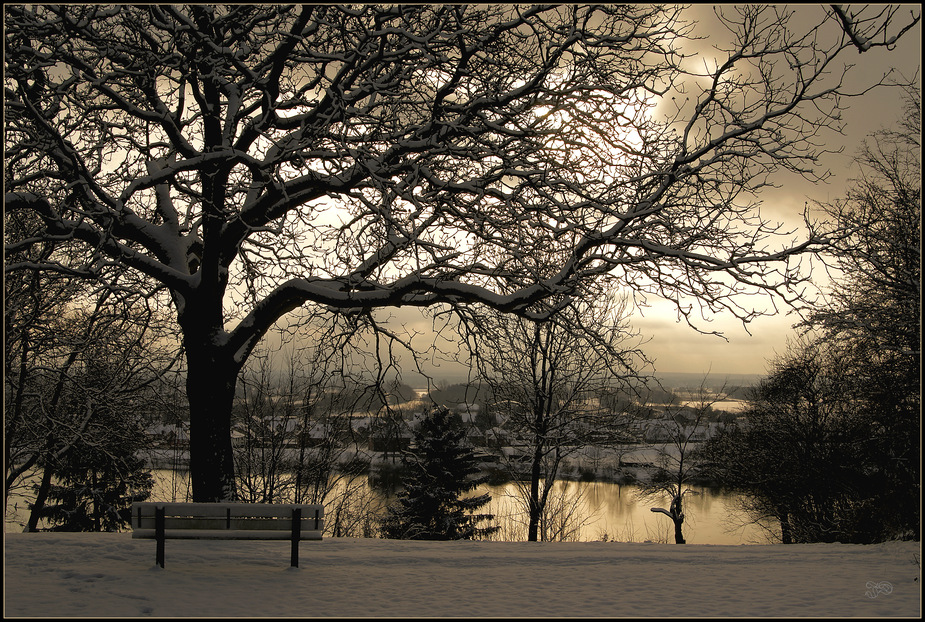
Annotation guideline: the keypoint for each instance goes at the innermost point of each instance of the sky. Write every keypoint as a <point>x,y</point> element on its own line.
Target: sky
<point>677,348</point>
<point>671,343</point>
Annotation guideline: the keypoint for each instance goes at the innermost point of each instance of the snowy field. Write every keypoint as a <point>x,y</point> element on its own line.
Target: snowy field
<point>98,575</point>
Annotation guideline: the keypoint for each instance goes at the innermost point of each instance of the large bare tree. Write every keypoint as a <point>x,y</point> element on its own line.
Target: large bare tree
<point>250,160</point>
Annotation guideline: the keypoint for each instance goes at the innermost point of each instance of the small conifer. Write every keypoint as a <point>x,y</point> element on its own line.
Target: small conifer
<point>439,471</point>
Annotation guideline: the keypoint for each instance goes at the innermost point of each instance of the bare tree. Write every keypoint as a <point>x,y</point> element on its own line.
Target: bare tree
<point>32,331</point>
<point>266,428</point>
<point>564,515</point>
<point>546,382</point>
<point>806,459</point>
<point>872,313</point>
<point>253,159</point>
<point>683,426</point>
<point>876,290</point>
<point>294,413</point>
<point>82,385</point>
<point>81,357</point>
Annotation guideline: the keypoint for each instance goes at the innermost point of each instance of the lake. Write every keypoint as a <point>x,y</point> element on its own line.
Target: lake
<point>608,511</point>
<point>584,511</point>
<point>581,511</point>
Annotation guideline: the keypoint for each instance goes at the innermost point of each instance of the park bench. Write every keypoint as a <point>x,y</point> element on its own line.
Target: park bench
<point>227,521</point>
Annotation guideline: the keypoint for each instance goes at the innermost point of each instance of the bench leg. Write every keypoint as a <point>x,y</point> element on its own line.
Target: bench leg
<point>296,536</point>
<point>159,535</point>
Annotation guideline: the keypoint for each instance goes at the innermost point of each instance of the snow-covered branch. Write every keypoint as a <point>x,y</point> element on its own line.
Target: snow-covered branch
<point>257,158</point>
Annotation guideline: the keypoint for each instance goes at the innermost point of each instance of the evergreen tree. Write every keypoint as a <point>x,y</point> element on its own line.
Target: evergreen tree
<point>96,490</point>
<point>96,479</point>
<point>439,471</point>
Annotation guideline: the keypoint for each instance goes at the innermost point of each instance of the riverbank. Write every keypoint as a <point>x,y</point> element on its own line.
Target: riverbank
<point>111,574</point>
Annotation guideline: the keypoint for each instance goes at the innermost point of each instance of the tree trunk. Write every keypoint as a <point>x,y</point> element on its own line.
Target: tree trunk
<point>677,515</point>
<point>678,536</point>
<point>785,535</point>
<point>210,386</point>
<point>534,503</point>
<point>40,497</point>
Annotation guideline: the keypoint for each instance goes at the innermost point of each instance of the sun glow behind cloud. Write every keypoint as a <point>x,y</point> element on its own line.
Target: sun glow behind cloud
<point>675,345</point>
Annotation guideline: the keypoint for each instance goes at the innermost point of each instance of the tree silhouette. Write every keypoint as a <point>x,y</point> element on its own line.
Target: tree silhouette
<point>546,380</point>
<point>440,470</point>
<point>250,160</point>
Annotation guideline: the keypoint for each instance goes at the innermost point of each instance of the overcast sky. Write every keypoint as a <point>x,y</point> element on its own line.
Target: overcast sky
<point>672,344</point>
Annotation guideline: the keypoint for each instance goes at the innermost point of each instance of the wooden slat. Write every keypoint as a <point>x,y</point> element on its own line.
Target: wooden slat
<point>186,522</point>
<point>175,522</point>
<point>225,534</point>
<point>221,509</point>
<point>228,521</point>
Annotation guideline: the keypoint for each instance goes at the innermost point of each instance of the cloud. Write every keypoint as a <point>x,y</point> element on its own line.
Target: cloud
<point>676,347</point>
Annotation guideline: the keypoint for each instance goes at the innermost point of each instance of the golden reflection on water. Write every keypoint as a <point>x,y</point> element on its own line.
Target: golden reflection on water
<point>616,512</point>
<point>597,510</point>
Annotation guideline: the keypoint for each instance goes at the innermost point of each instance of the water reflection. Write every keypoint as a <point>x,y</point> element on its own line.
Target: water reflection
<point>606,511</point>
<point>596,511</point>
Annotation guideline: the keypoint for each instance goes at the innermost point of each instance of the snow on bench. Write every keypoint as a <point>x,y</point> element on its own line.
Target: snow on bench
<point>227,521</point>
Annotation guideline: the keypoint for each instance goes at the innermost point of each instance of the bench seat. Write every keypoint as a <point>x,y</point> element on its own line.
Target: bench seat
<point>226,534</point>
<point>227,521</point>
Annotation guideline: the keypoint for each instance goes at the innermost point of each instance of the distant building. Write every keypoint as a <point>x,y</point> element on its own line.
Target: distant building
<point>467,412</point>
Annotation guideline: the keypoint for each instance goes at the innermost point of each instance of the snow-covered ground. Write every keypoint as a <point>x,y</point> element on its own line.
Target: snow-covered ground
<point>111,574</point>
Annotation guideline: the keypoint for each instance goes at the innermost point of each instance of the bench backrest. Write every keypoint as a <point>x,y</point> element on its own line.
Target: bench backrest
<point>228,520</point>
